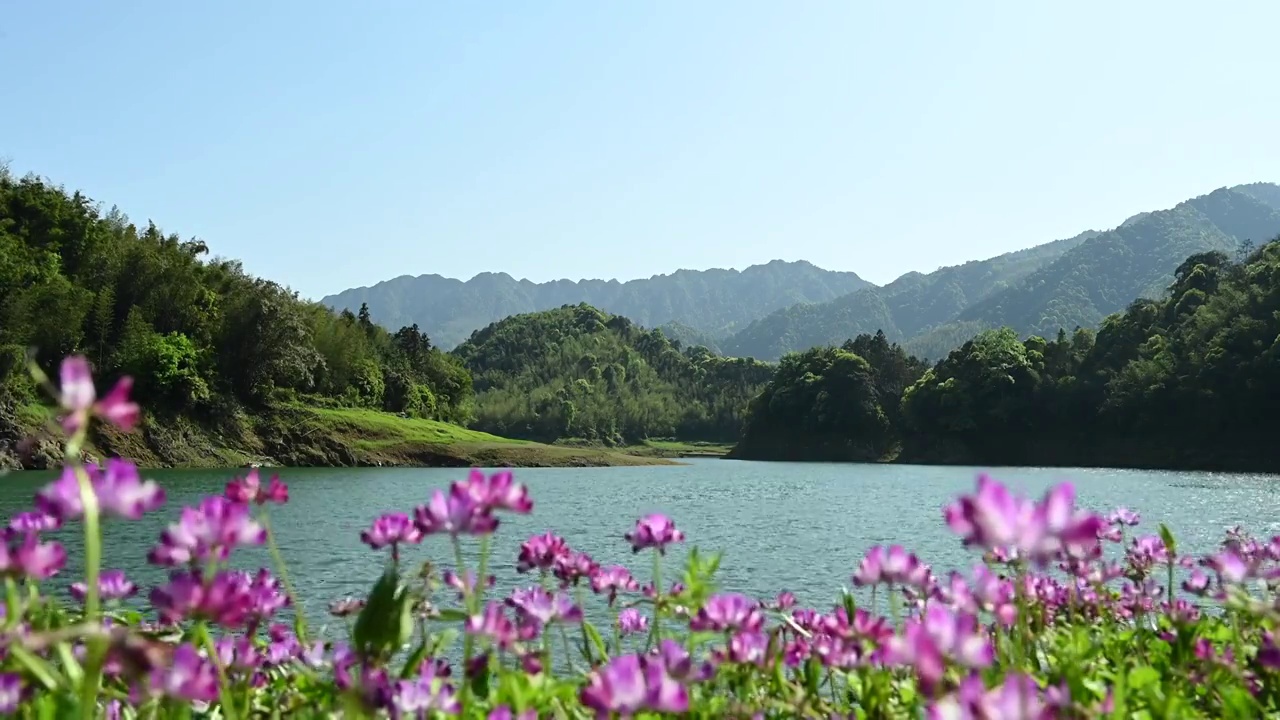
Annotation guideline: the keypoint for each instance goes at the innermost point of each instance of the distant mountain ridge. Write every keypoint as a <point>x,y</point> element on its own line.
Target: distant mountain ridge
<point>713,302</point>
<point>1064,284</point>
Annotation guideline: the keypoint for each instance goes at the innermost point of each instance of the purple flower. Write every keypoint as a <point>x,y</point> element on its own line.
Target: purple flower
<point>31,558</point>
<point>231,598</point>
<point>1146,552</point>
<point>631,622</point>
<point>942,634</point>
<point>454,513</point>
<point>996,519</point>
<point>629,684</point>
<point>541,552</point>
<point>494,624</point>
<point>748,648</point>
<point>894,566</point>
<point>1197,584</point>
<point>1124,516</point>
<point>613,580</point>
<point>573,567</point>
<point>498,491</point>
<point>237,653</point>
<point>1268,652</point>
<point>121,492</point>
<point>208,531</point>
<point>419,696</point>
<point>391,529</point>
<point>249,489</point>
<point>10,692</point>
<point>78,396</point>
<point>118,487</point>
<point>1230,567</point>
<point>188,676</point>
<point>678,662</point>
<point>465,584</point>
<point>26,523</point>
<point>728,611</point>
<point>542,607</point>
<point>654,531</point>
<point>112,585</point>
<point>342,607</point>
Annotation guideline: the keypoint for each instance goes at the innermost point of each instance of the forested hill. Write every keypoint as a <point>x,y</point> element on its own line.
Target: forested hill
<point>202,338</point>
<point>1188,381</point>
<point>579,372</point>
<point>1066,284</point>
<point>713,302</point>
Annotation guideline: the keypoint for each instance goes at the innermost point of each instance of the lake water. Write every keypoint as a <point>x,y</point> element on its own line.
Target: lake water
<point>800,527</point>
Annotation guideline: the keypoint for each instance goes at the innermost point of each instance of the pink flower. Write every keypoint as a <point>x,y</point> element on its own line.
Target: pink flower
<point>541,552</point>
<point>630,684</point>
<point>631,622</point>
<point>573,567</point>
<point>208,531</point>
<point>941,635</point>
<point>454,513</point>
<point>31,558</point>
<point>465,584</point>
<point>536,604</point>
<point>249,489</point>
<point>728,611</point>
<point>996,519</point>
<point>391,529</point>
<point>120,491</point>
<point>894,566</point>
<point>112,585</point>
<point>613,579</point>
<point>78,398</point>
<point>654,531</point>
<point>494,624</point>
<point>498,491</point>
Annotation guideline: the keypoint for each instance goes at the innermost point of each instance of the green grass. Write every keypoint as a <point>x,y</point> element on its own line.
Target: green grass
<point>373,429</point>
<point>384,438</point>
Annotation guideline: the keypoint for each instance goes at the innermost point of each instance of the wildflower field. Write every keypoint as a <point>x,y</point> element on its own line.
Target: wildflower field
<point>1065,614</point>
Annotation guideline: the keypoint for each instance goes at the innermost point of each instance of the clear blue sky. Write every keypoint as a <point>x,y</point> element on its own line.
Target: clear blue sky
<point>335,144</point>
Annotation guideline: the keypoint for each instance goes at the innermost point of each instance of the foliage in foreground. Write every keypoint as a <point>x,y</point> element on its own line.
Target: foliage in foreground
<point>1045,626</point>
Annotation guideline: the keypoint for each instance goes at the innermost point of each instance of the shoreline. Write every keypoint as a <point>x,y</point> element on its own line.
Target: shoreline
<point>291,436</point>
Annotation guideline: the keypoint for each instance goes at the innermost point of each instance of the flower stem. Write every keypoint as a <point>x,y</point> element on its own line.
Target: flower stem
<point>224,686</point>
<point>92,611</point>
<point>657,598</point>
<point>468,646</point>
<point>299,614</point>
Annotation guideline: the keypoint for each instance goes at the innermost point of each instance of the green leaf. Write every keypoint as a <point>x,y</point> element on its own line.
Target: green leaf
<point>415,659</point>
<point>1143,676</point>
<point>453,615</point>
<point>386,622</point>
<point>1167,537</point>
<point>594,636</point>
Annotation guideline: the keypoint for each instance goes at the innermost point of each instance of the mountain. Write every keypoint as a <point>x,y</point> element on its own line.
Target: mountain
<point>712,302</point>
<point>1065,284</point>
<point>904,308</point>
<point>578,372</point>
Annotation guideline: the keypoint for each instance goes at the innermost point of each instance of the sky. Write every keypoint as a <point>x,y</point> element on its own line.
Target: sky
<point>331,144</point>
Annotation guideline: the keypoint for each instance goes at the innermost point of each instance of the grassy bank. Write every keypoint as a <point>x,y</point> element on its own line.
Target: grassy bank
<point>300,436</point>
<point>667,449</point>
<point>391,440</point>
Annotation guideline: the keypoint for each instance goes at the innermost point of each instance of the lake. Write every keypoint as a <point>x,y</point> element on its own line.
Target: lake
<point>799,527</point>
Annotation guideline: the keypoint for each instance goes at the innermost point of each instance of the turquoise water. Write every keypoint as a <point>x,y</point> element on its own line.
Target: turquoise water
<point>799,527</point>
